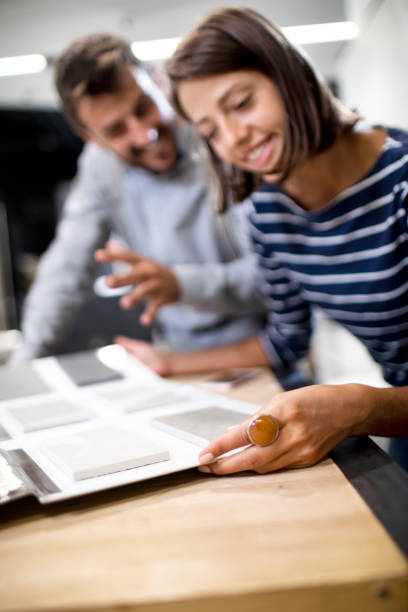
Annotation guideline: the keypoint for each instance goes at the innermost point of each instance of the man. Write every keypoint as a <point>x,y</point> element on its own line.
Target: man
<point>139,181</point>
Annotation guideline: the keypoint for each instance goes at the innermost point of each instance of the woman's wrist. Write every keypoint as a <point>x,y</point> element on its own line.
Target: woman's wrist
<point>378,411</point>
<point>361,408</point>
<point>242,354</point>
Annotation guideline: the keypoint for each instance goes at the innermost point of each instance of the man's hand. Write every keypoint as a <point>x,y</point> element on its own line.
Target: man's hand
<point>146,352</point>
<point>154,283</point>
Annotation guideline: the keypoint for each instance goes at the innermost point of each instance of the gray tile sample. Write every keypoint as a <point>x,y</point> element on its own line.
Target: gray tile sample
<point>20,381</point>
<point>204,424</point>
<point>84,368</point>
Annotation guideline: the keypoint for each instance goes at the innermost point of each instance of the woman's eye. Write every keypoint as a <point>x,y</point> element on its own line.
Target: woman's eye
<point>243,102</point>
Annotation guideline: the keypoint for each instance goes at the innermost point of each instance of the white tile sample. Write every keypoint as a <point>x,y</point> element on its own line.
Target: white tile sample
<point>103,450</point>
<point>123,394</point>
<point>154,399</point>
<point>33,417</point>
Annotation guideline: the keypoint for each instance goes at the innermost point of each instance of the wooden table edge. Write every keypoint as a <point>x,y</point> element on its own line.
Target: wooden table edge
<point>381,483</point>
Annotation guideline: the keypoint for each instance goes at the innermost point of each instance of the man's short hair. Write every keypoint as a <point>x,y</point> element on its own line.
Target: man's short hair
<point>90,66</point>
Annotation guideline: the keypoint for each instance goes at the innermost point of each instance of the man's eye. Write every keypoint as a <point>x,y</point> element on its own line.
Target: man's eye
<point>115,131</point>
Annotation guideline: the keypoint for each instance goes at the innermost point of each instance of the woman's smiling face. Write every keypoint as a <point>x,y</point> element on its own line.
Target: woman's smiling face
<point>242,116</point>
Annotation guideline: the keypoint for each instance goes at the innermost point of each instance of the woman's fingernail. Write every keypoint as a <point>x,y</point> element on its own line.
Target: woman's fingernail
<point>205,469</point>
<point>206,458</point>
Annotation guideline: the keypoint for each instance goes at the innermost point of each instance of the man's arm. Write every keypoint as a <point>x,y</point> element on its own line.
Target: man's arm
<point>66,269</point>
<point>223,287</point>
<point>229,286</point>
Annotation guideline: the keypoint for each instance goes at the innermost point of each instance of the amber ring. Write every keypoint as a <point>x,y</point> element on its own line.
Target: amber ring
<point>263,430</point>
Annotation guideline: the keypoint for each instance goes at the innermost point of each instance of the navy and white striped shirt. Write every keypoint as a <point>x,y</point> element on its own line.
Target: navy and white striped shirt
<point>350,259</point>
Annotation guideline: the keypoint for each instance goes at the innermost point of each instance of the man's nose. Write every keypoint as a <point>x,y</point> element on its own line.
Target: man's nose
<point>141,132</point>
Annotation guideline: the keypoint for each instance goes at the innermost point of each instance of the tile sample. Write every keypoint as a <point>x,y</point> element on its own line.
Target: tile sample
<point>155,399</point>
<point>200,426</point>
<point>103,450</point>
<point>4,435</point>
<point>120,394</point>
<point>20,381</point>
<point>33,417</point>
<point>84,368</point>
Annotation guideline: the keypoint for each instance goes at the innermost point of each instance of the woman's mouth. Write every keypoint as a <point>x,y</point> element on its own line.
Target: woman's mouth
<point>258,156</point>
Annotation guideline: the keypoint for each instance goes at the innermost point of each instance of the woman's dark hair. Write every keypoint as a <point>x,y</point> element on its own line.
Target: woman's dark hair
<point>92,65</point>
<point>233,39</point>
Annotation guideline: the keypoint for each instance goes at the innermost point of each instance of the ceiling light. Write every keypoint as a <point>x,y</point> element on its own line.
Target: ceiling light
<point>321,32</point>
<point>149,50</point>
<point>22,64</point>
<point>161,49</point>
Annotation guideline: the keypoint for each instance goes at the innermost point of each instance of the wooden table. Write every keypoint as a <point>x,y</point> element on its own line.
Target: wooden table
<point>296,541</point>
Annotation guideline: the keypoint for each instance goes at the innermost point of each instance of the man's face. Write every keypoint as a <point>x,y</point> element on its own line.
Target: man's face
<point>128,122</point>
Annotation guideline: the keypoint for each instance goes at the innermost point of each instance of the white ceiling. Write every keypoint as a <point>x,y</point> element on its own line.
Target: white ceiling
<point>48,26</point>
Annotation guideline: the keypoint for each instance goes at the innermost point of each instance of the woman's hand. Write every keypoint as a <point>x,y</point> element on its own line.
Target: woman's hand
<point>246,353</point>
<point>312,420</point>
<point>147,353</point>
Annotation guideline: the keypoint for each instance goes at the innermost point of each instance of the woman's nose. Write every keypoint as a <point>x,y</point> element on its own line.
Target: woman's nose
<point>236,132</point>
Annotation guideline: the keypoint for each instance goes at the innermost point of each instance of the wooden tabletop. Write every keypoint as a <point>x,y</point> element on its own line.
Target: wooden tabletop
<point>297,540</point>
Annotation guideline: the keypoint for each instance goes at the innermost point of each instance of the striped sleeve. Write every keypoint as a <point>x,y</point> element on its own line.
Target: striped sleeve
<point>286,336</point>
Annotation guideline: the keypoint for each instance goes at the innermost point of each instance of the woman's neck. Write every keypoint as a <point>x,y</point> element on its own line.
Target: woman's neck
<point>325,175</point>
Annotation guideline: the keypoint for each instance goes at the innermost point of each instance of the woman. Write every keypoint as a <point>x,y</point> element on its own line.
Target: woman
<point>329,223</point>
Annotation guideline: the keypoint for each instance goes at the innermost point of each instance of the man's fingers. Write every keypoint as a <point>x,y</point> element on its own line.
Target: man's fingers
<point>130,277</point>
<point>149,314</point>
<point>140,293</point>
<point>143,270</point>
<point>115,252</point>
